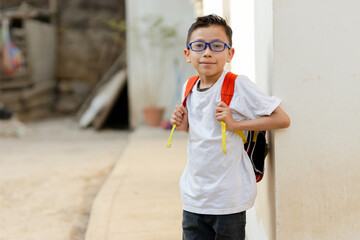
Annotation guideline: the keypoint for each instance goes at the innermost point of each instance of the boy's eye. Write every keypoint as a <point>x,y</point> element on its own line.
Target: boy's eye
<point>217,45</point>
<point>199,45</point>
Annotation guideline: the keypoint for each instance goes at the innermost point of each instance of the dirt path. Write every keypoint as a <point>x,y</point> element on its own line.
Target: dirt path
<point>50,176</point>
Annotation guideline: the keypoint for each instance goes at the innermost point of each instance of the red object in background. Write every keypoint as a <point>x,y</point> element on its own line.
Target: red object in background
<point>11,55</point>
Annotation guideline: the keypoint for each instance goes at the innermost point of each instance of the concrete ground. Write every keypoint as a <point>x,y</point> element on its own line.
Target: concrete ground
<point>140,199</point>
<point>50,173</point>
<point>61,183</point>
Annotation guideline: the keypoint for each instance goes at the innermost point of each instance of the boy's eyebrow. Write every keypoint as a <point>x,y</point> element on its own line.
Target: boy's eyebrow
<point>217,39</point>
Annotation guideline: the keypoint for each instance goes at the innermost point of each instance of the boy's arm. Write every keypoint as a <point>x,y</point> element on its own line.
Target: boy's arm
<point>276,120</point>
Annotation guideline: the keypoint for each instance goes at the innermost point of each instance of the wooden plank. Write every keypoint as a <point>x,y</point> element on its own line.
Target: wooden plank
<point>116,66</point>
<point>16,84</point>
<point>38,89</point>
<point>103,115</point>
<point>45,99</point>
<point>14,106</point>
<point>18,100</point>
<point>35,113</point>
<point>10,97</point>
<point>103,99</point>
<point>21,73</point>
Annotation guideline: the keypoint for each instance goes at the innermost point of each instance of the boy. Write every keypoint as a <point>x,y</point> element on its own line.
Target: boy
<point>217,188</point>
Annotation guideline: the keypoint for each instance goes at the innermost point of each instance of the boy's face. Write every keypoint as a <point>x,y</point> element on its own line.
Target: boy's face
<point>207,63</point>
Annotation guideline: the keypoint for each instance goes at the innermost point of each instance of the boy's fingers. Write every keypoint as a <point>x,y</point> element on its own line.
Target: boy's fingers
<point>178,123</point>
<point>183,109</point>
<point>222,104</point>
<point>178,114</point>
<point>178,111</point>
<point>179,108</point>
<point>219,109</point>
<point>219,118</point>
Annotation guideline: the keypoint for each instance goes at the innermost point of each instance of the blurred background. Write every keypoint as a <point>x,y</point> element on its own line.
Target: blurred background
<point>62,58</point>
<point>103,62</point>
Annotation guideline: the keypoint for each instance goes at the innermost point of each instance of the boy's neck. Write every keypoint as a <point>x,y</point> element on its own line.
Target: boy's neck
<point>208,81</point>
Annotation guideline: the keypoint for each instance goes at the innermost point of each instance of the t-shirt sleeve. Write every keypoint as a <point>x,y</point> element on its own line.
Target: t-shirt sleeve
<point>250,101</point>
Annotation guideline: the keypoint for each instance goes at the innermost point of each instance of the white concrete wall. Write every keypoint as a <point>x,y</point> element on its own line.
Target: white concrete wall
<point>213,7</point>
<point>317,160</point>
<point>241,20</point>
<point>308,58</point>
<point>240,16</point>
<point>152,71</point>
<point>265,201</point>
<point>41,40</point>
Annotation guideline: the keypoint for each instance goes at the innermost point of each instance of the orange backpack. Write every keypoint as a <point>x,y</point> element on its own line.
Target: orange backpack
<point>255,143</point>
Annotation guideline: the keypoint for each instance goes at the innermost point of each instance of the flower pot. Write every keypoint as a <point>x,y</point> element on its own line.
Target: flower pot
<point>153,116</point>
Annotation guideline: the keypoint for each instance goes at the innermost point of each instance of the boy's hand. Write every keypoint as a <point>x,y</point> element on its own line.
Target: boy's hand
<point>223,113</point>
<point>180,118</point>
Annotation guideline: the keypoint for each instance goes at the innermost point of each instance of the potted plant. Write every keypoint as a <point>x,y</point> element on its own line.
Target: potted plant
<point>154,38</point>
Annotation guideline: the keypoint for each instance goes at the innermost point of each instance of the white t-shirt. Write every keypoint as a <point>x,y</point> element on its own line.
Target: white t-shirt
<point>214,182</point>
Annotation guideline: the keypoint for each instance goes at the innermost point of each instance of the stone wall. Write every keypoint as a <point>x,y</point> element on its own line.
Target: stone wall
<point>14,3</point>
<point>86,47</point>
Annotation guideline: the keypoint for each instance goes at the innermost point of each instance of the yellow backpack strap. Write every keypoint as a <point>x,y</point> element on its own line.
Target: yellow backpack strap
<point>255,136</point>
<point>227,92</point>
<point>170,137</point>
<point>241,134</point>
<point>223,136</point>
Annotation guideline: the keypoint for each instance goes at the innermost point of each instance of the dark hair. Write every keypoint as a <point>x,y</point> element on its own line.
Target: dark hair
<point>209,20</point>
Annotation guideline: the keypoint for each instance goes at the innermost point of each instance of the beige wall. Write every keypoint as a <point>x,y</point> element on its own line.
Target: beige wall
<point>41,49</point>
<point>317,160</point>
<point>309,57</point>
<point>153,72</point>
<point>265,201</point>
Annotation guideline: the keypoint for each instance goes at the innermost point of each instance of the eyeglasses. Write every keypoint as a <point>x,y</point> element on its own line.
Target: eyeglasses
<point>215,46</point>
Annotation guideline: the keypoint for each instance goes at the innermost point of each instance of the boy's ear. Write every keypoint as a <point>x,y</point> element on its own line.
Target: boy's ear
<point>230,55</point>
<point>187,55</point>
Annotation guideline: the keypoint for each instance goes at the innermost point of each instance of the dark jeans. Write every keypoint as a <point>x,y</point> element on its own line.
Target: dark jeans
<point>213,227</point>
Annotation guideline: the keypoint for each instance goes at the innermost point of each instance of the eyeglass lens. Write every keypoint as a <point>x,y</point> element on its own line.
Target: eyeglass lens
<point>215,46</point>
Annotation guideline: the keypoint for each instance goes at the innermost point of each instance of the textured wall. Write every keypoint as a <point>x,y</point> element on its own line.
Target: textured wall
<point>86,47</point>
<point>317,74</point>
<point>156,71</point>
<point>84,36</point>
<point>265,201</point>
<point>4,4</point>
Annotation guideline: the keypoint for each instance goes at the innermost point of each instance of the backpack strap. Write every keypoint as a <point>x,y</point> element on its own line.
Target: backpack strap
<point>228,87</point>
<point>189,86</point>
<point>227,92</point>
<point>241,134</point>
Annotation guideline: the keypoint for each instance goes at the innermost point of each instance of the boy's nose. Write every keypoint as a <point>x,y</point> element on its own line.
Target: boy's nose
<point>207,50</point>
